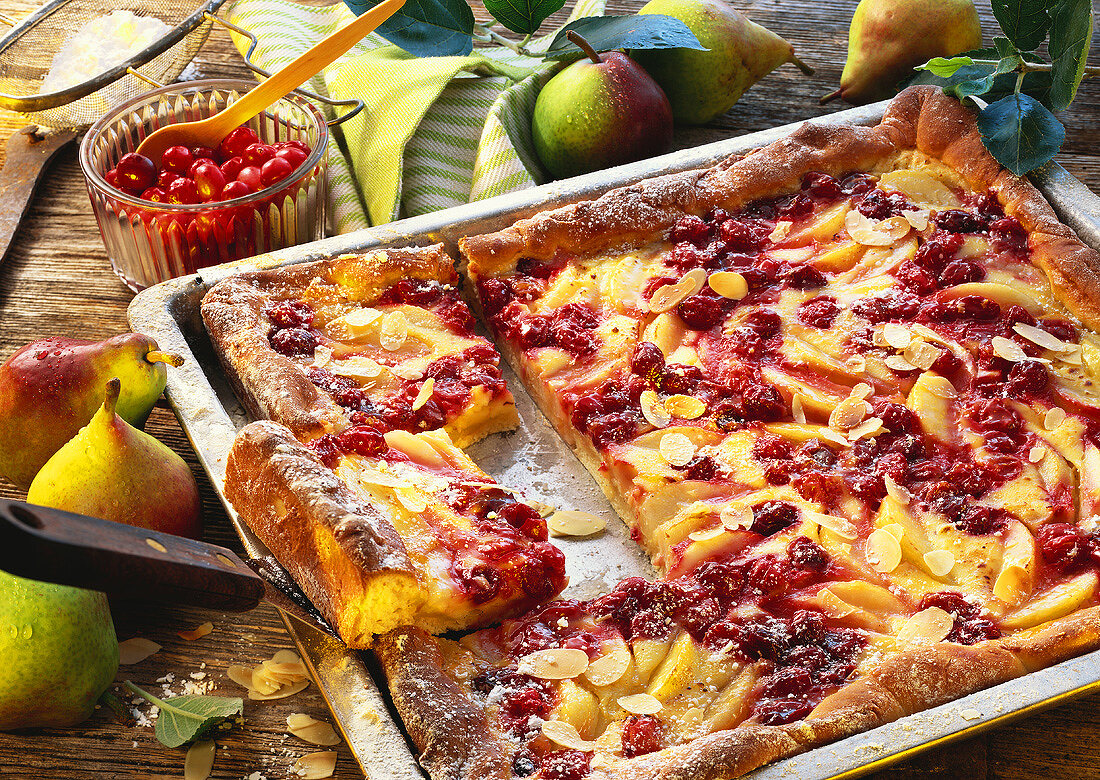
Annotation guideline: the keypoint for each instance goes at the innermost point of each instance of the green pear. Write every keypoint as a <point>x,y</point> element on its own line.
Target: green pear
<point>702,85</point>
<point>113,471</point>
<point>59,653</point>
<point>50,388</point>
<point>599,111</point>
<point>888,38</point>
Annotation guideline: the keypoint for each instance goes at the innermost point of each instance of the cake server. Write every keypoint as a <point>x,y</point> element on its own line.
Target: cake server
<point>52,545</point>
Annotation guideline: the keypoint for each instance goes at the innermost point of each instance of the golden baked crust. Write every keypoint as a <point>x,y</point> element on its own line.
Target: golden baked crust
<point>344,553</point>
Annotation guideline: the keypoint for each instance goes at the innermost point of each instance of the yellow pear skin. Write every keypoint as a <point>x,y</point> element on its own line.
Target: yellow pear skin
<point>888,38</point>
<point>113,471</point>
<point>59,653</point>
<point>702,85</point>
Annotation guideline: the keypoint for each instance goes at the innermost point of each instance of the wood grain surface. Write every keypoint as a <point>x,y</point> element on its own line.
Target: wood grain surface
<point>56,281</point>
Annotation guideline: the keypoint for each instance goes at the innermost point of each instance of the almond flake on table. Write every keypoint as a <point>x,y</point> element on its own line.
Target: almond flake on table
<point>198,632</point>
<point>309,729</point>
<point>136,650</point>
<point>282,675</point>
<point>199,761</point>
<point>572,522</point>
<point>315,766</point>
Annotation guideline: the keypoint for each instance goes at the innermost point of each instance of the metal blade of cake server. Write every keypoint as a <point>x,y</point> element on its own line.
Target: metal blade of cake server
<point>283,592</point>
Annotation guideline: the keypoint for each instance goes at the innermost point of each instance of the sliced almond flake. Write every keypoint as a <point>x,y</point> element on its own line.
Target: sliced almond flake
<point>361,318</point>
<point>857,363</point>
<point>922,355</point>
<point>896,335</point>
<point>309,729</point>
<point>1054,418</point>
<point>837,525</point>
<point>557,663</point>
<point>544,509</point>
<point>883,551</point>
<point>412,499</point>
<point>896,491</point>
<point>242,675</point>
<point>425,393</point>
<point>321,356</point>
<point>918,219</point>
<point>707,535</point>
<point>729,284</point>
<point>287,657</point>
<point>1042,338</point>
<point>381,479</point>
<point>782,230</point>
<point>1036,453</point>
<point>1008,349</point>
<point>609,667</point>
<point>198,632</point>
<point>653,410</point>
<point>895,530</point>
<point>685,406</point>
<point>281,693</point>
<point>849,413</point>
<point>898,363</point>
<point>640,704</point>
<point>878,338</point>
<point>798,413</point>
<point>566,735</point>
<point>939,562</point>
<point>872,426</point>
<point>1073,358</point>
<point>316,766</point>
<point>199,761</point>
<point>836,437</point>
<point>926,627</point>
<point>395,329</point>
<point>136,650</point>
<point>869,233</point>
<point>676,448</point>
<point>669,296</point>
<point>940,386</point>
<point>736,517</point>
<point>862,391</point>
<point>572,522</point>
<point>357,367</point>
<point>926,332</point>
<point>408,370</point>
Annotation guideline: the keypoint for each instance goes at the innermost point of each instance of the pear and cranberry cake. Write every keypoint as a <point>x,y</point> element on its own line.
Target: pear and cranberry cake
<point>367,376</point>
<point>842,390</point>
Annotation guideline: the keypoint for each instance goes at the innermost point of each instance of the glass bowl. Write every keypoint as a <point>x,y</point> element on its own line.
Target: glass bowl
<point>148,242</point>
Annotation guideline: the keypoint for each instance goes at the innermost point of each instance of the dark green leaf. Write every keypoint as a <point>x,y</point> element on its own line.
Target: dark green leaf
<point>1025,22</point>
<point>1020,132</point>
<point>522,16</point>
<point>640,31</point>
<point>980,80</point>
<point>1070,36</point>
<point>943,68</point>
<point>426,28</point>
<point>185,719</point>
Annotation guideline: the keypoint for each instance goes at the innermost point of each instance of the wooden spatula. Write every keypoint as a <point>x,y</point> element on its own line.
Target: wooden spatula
<point>210,132</point>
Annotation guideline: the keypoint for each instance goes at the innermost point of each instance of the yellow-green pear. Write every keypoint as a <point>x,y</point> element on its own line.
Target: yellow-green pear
<point>888,38</point>
<point>113,471</point>
<point>702,85</point>
<point>59,653</point>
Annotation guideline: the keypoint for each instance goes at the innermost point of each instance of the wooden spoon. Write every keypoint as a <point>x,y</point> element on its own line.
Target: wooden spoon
<point>209,132</point>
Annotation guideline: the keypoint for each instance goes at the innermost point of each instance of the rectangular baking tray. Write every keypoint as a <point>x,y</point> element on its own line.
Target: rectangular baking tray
<point>534,460</point>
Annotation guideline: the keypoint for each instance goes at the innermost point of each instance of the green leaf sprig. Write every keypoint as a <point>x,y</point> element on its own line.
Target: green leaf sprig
<point>184,719</point>
<point>1015,89</point>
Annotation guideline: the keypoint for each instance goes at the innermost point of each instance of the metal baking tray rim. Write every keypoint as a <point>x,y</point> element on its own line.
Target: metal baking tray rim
<point>210,416</point>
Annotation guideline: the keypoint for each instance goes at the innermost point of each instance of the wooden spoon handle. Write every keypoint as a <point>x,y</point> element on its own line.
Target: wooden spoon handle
<point>304,67</point>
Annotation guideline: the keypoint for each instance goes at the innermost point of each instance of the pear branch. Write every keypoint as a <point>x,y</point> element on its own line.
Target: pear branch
<point>489,35</point>
<point>1089,71</point>
<point>583,45</point>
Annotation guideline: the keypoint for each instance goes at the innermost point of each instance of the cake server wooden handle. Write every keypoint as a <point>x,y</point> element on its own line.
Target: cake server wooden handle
<point>70,549</point>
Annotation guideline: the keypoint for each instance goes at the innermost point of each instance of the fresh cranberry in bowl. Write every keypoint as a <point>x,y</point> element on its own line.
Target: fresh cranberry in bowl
<point>177,160</point>
<point>135,173</point>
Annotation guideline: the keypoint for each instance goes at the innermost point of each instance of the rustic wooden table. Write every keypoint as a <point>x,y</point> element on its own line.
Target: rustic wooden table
<point>56,281</point>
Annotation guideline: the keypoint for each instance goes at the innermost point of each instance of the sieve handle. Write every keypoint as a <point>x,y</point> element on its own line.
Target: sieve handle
<point>29,152</point>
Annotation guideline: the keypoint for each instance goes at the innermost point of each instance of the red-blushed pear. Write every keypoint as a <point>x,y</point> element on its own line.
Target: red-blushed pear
<point>599,111</point>
<point>50,389</point>
<point>113,471</point>
<point>888,38</point>
<point>59,653</point>
<point>703,85</point>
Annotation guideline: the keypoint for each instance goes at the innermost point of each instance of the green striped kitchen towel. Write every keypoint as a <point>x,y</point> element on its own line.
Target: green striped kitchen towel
<point>436,131</point>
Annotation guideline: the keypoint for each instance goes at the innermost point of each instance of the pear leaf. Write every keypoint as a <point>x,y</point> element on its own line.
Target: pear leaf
<point>1070,36</point>
<point>1020,132</point>
<point>943,67</point>
<point>1025,22</point>
<point>522,16</point>
<point>426,28</point>
<point>184,719</point>
<point>640,31</point>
